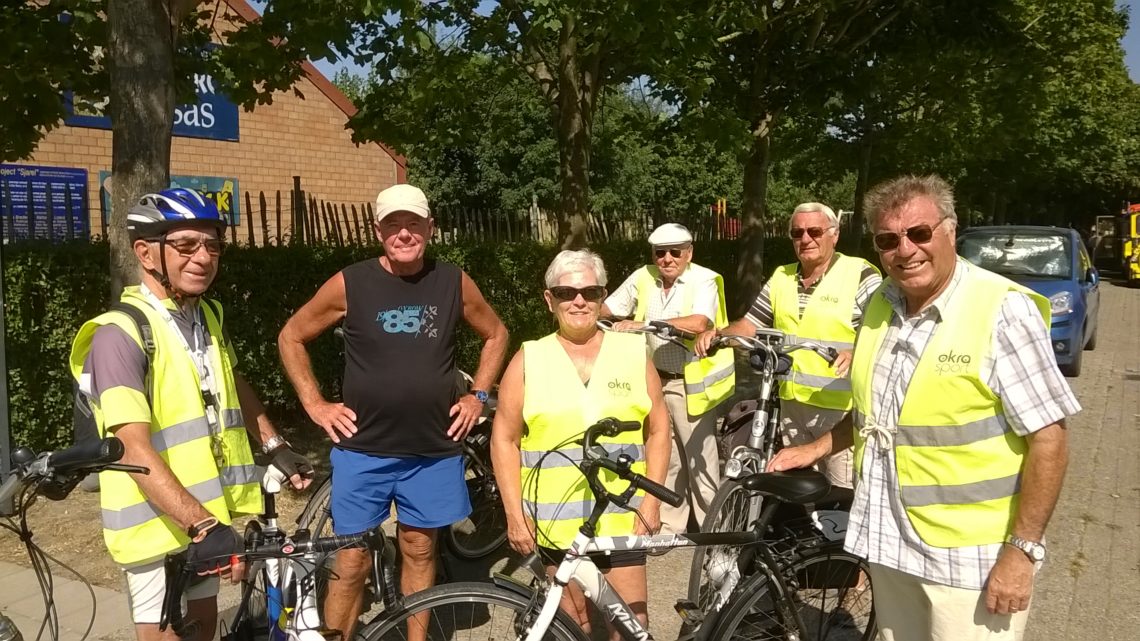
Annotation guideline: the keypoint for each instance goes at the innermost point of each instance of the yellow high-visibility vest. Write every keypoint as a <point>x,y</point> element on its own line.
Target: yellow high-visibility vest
<point>134,530</point>
<point>827,320</point>
<point>958,462</point>
<point>557,409</point>
<point>708,381</point>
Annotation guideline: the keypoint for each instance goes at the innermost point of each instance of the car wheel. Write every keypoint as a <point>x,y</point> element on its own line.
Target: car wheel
<point>1091,344</point>
<point>1073,369</point>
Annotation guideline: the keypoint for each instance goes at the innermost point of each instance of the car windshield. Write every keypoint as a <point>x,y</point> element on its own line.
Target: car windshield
<point>1013,253</point>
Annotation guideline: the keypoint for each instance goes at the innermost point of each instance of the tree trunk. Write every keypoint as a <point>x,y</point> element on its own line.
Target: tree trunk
<point>142,115</point>
<point>750,268</point>
<point>861,184</point>
<point>577,91</point>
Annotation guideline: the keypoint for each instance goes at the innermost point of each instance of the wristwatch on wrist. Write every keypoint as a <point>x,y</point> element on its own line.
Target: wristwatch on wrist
<point>1032,549</point>
<point>481,395</point>
<point>273,443</point>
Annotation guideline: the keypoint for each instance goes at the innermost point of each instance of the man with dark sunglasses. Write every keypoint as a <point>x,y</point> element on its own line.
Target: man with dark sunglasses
<point>397,433</point>
<point>691,298</point>
<point>819,298</point>
<point>958,429</point>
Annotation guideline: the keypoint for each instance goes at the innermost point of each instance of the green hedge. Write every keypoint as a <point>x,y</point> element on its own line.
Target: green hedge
<point>50,290</point>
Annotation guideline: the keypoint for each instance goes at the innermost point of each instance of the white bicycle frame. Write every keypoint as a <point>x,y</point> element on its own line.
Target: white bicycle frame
<point>579,568</point>
<point>289,581</point>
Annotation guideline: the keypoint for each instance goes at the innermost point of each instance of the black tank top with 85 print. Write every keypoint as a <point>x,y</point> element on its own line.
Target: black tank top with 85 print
<point>399,370</point>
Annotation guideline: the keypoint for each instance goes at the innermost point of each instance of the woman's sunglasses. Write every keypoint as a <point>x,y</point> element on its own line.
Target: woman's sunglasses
<point>919,235</point>
<point>814,232</point>
<point>592,293</point>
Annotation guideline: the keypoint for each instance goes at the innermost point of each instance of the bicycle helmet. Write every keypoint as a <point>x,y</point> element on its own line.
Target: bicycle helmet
<point>155,214</point>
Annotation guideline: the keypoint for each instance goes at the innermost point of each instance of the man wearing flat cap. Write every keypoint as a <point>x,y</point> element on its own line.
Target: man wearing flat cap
<point>691,298</point>
<point>398,431</point>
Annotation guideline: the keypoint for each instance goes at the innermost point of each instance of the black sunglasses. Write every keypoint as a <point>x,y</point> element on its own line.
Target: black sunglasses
<point>919,235</point>
<point>675,252</point>
<point>814,232</point>
<point>592,293</point>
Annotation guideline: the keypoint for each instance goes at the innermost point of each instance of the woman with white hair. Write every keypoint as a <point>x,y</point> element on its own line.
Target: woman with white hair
<point>552,390</point>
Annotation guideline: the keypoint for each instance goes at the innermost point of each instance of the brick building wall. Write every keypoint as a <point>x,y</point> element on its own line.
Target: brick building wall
<point>290,137</point>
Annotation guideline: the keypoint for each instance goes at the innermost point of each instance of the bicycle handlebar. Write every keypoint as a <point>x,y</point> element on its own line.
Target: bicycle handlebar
<point>592,460</point>
<point>55,474</point>
<point>772,340</point>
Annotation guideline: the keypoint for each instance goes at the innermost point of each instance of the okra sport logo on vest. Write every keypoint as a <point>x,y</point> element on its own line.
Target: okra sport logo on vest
<point>951,363</point>
<point>828,298</point>
<point>620,388</point>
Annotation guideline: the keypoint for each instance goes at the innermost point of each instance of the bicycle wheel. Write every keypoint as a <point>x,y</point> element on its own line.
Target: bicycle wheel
<point>734,509</point>
<point>460,611</point>
<point>485,529</point>
<point>828,599</point>
<point>317,515</point>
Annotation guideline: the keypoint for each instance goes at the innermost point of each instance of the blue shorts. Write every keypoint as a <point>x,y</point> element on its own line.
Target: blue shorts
<point>429,492</point>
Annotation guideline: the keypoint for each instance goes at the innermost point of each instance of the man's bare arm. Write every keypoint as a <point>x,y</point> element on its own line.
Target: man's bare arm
<point>483,319</point>
<point>160,486</point>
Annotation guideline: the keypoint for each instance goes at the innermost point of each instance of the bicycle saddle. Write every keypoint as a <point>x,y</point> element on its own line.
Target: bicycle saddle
<point>793,486</point>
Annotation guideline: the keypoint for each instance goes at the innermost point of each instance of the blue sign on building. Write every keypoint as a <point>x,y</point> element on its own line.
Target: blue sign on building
<point>213,116</point>
<point>43,202</point>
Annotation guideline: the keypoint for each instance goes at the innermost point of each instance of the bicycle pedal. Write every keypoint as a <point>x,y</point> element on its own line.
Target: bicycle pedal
<point>690,612</point>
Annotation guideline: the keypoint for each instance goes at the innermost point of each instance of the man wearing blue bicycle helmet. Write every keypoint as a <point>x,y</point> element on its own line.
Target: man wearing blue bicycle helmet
<point>159,373</point>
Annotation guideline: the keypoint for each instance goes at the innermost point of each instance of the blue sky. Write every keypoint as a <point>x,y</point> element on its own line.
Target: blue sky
<point>1131,42</point>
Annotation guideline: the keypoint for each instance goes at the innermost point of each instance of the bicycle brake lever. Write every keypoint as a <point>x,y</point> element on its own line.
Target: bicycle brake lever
<point>121,467</point>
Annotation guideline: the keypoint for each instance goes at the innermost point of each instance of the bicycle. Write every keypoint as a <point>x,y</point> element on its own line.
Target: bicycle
<point>53,475</point>
<point>733,507</point>
<point>279,596</point>
<point>532,612</point>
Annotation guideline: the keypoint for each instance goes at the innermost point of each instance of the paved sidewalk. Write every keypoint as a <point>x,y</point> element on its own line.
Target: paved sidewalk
<point>24,604</point>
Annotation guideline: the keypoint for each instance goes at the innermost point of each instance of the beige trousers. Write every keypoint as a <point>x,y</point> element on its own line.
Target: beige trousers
<point>802,424</point>
<point>909,608</point>
<point>694,462</point>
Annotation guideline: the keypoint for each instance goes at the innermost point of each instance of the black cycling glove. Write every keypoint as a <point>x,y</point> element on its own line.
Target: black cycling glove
<point>285,459</point>
<point>213,549</point>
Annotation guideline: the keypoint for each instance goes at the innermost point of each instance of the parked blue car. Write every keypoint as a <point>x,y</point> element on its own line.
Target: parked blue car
<point>1053,262</point>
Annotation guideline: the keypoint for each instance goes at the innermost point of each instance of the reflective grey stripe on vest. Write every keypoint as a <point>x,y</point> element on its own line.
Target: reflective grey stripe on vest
<point>712,379</point>
<point>572,509</point>
<point>792,339</point>
<point>950,435</point>
<point>195,428</point>
<point>822,382</point>
<point>232,418</point>
<point>241,475</point>
<point>180,433</point>
<point>558,458</point>
<point>918,496</point>
<point>140,513</point>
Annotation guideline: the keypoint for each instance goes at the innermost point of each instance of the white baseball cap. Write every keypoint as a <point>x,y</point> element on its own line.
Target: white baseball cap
<point>670,234</point>
<point>402,198</point>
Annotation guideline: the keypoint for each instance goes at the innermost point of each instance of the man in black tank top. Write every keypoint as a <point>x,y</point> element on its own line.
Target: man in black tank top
<point>396,435</point>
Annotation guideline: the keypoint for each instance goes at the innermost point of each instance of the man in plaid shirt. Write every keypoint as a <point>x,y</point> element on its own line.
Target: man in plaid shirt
<point>958,430</point>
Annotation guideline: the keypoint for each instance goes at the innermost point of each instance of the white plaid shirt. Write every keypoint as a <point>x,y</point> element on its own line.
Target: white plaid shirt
<point>1021,370</point>
<point>661,306</point>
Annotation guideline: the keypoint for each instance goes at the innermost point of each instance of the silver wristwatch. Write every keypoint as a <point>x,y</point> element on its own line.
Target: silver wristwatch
<point>273,443</point>
<point>1032,549</point>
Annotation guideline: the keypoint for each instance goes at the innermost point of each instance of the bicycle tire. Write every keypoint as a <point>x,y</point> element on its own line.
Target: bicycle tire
<point>468,610</point>
<point>827,577</point>
<point>485,529</point>
<point>727,513</point>
<point>317,515</point>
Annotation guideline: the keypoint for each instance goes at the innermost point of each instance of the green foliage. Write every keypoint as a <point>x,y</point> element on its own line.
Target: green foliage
<point>50,290</point>
<point>44,46</point>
